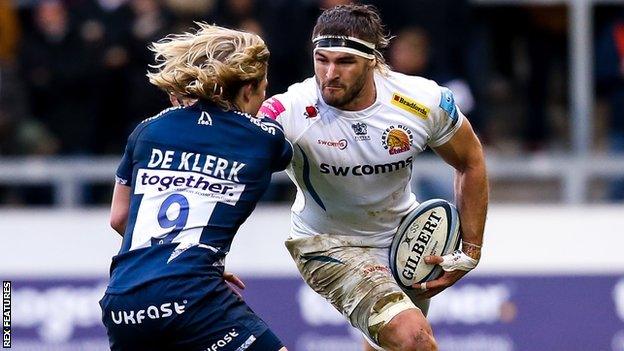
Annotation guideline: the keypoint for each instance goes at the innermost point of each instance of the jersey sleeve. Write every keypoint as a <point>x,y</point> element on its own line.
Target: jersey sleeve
<point>285,155</point>
<point>284,150</point>
<point>279,108</point>
<point>273,107</point>
<point>445,119</point>
<point>123,175</point>
<point>294,109</point>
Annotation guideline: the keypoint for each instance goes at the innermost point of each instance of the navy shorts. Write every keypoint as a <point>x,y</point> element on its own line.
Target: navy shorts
<point>194,314</point>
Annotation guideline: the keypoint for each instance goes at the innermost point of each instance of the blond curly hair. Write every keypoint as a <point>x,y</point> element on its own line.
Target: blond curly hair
<point>211,64</point>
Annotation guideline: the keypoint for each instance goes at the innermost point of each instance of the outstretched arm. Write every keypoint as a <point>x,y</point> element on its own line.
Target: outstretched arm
<point>465,153</point>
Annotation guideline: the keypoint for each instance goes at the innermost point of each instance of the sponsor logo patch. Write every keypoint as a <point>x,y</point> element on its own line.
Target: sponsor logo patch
<point>447,103</point>
<point>375,268</point>
<point>365,170</point>
<point>205,119</point>
<point>164,310</point>
<point>410,105</point>
<point>120,180</point>
<point>225,341</point>
<point>311,111</point>
<point>397,139</point>
<point>153,181</point>
<point>272,108</point>
<point>340,144</point>
<point>258,122</point>
<point>361,131</point>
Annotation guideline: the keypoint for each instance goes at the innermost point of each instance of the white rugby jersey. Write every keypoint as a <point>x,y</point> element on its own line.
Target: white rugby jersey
<point>352,169</point>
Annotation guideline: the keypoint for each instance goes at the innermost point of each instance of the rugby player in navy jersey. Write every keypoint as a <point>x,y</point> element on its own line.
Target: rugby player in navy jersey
<point>188,179</point>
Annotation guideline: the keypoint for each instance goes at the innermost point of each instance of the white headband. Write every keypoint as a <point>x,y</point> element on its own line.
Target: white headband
<point>351,45</point>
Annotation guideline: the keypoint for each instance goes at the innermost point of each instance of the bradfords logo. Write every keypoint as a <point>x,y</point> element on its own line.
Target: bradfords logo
<point>361,132</point>
<point>410,105</point>
<point>397,139</point>
<point>340,144</point>
<point>151,312</point>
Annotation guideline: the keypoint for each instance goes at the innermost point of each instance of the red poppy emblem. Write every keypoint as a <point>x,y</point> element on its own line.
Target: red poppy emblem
<point>311,111</point>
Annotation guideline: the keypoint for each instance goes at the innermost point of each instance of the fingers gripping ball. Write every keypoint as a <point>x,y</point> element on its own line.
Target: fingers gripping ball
<point>432,229</point>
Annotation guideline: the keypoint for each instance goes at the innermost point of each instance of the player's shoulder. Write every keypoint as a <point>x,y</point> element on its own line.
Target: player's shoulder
<point>421,96</point>
<point>413,90</point>
<point>151,122</point>
<point>160,115</point>
<point>261,126</point>
<point>296,98</point>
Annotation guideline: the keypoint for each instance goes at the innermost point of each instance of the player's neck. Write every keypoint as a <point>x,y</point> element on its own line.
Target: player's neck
<point>366,97</point>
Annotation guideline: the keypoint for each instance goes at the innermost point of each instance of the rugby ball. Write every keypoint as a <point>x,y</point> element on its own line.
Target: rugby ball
<point>431,229</point>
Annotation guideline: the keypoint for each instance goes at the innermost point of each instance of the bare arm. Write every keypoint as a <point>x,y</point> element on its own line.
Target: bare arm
<point>464,152</point>
<point>120,206</point>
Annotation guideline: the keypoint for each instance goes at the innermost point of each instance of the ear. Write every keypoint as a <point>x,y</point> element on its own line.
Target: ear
<point>247,92</point>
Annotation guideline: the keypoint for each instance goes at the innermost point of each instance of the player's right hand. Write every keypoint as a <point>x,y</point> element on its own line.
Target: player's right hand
<point>455,266</point>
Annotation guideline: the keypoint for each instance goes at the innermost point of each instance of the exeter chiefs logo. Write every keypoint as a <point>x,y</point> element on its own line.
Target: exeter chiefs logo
<point>397,139</point>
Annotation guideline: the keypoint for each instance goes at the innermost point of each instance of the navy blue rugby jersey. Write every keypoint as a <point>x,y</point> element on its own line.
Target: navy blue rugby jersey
<point>196,175</point>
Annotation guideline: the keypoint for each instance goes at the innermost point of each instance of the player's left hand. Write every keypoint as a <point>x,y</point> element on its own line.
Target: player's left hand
<point>234,282</point>
<point>455,265</point>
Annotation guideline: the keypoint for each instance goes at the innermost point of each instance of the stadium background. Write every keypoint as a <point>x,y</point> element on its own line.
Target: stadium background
<point>541,80</point>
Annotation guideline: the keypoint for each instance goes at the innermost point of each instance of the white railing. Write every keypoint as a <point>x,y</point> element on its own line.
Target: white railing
<point>68,175</point>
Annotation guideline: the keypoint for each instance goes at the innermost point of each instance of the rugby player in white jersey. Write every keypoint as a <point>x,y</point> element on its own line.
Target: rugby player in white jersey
<point>357,129</point>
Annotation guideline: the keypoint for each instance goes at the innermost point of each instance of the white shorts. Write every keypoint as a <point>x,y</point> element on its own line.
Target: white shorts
<point>355,279</point>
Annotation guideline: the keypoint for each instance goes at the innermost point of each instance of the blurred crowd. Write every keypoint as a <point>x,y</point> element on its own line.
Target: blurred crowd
<point>72,72</point>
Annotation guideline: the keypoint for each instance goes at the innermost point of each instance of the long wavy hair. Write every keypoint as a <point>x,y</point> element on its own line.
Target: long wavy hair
<point>212,64</point>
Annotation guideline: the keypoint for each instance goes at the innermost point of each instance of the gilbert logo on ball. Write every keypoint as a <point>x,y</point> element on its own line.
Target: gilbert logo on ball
<point>432,229</point>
